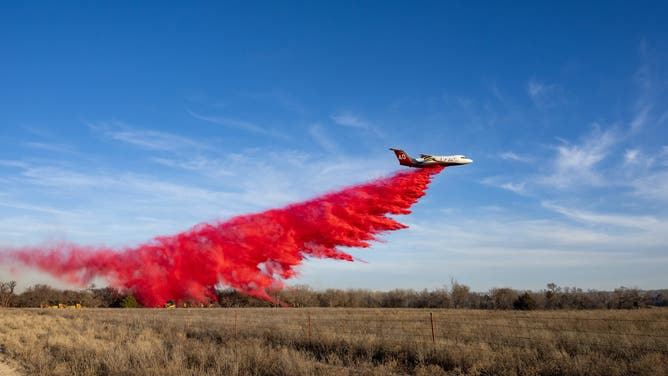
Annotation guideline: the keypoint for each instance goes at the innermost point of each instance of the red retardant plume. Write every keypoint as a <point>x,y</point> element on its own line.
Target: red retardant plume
<point>251,253</point>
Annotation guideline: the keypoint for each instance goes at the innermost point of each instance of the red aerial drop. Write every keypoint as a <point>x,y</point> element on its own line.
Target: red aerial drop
<point>251,253</point>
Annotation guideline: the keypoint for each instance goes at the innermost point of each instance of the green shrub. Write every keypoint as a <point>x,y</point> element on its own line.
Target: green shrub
<point>129,301</point>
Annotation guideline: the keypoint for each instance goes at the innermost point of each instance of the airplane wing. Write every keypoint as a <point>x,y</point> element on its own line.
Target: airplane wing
<point>427,157</point>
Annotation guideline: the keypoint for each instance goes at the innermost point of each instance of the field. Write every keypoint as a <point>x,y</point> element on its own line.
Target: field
<point>326,341</point>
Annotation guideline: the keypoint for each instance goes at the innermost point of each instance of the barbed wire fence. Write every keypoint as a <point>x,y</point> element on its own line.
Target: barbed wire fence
<point>429,329</point>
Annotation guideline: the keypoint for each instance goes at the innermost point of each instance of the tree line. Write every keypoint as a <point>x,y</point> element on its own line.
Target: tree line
<point>456,295</point>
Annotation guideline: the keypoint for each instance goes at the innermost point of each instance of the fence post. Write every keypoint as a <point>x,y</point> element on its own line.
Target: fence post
<point>431,318</point>
<point>309,326</point>
<point>235,324</point>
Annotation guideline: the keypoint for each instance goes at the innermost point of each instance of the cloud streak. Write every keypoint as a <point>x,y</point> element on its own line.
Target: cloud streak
<point>347,119</point>
<point>629,221</point>
<point>144,138</point>
<point>242,125</point>
<point>350,120</point>
<point>57,148</point>
<point>511,156</point>
<point>230,123</point>
<point>319,135</point>
<point>545,95</point>
<point>518,188</point>
<point>576,164</point>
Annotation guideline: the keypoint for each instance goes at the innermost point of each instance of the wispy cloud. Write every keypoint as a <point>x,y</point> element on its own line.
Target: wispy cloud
<point>68,180</point>
<point>640,117</point>
<point>348,119</point>
<point>652,186</point>
<point>233,183</point>
<point>663,118</point>
<point>144,138</point>
<point>13,163</point>
<point>240,125</point>
<point>588,165</point>
<point>319,135</point>
<point>629,221</point>
<point>112,215</point>
<point>284,174</point>
<point>509,155</point>
<point>650,91</point>
<point>58,148</point>
<point>198,163</point>
<point>576,164</point>
<point>500,182</point>
<point>32,207</point>
<point>505,244</point>
<point>230,122</point>
<point>545,95</point>
<point>631,156</point>
<point>518,187</point>
<point>155,140</point>
<point>351,120</point>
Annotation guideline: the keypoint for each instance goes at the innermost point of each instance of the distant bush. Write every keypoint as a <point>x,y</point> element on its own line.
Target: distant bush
<point>129,301</point>
<point>460,294</point>
<point>503,298</point>
<point>524,302</point>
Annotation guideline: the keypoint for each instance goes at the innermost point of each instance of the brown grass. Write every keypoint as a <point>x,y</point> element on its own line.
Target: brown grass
<point>272,341</point>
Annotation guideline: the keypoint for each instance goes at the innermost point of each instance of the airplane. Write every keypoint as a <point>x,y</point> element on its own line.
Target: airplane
<point>426,160</point>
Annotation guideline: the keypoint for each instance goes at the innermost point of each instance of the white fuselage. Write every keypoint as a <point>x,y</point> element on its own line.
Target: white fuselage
<point>443,160</point>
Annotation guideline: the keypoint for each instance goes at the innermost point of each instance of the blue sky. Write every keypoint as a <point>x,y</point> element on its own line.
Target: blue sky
<point>124,121</point>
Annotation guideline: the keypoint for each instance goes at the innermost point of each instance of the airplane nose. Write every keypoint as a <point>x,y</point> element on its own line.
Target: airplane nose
<point>468,160</point>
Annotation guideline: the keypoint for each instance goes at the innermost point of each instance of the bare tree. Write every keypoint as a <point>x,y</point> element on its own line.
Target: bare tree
<point>7,293</point>
<point>503,298</point>
<point>39,296</point>
<point>460,294</point>
<point>627,298</point>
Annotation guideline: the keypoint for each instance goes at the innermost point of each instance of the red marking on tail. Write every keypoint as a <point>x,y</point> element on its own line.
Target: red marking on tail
<point>403,158</point>
<point>251,253</point>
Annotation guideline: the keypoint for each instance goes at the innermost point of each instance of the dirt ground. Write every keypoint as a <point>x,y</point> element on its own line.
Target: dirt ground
<point>7,370</point>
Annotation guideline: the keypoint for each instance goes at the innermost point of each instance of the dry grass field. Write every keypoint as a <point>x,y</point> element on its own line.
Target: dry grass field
<point>331,341</point>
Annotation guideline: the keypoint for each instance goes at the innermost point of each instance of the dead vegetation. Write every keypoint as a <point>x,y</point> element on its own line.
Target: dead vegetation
<point>283,341</point>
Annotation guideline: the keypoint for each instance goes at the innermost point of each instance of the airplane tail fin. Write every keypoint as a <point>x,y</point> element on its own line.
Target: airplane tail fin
<point>403,158</point>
